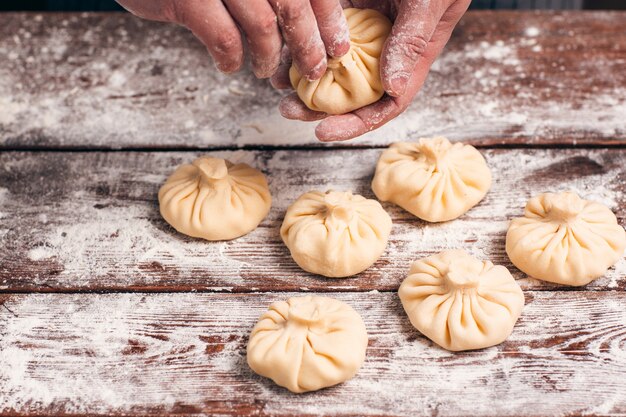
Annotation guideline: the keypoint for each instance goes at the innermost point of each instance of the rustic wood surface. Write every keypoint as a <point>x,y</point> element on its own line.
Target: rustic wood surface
<point>114,81</point>
<point>137,319</point>
<point>90,221</point>
<point>185,353</point>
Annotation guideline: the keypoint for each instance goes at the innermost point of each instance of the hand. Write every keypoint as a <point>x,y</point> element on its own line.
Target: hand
<point>311,29</point>
<point>421,30</point>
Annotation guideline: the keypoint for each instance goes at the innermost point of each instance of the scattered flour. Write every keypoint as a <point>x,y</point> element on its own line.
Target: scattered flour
<point>114,94</point>
<point>117,79</point>
<point>532,32</point>
<point>39,253</point>
<point>9,110</point>
<point>93,353</point>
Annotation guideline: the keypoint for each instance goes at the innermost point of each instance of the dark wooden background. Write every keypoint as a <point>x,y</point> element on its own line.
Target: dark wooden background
<point>105,309</point>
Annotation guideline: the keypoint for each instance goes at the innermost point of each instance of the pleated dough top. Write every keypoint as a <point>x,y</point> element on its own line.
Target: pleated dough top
<point>432,178</point>
<point>335,234</point>
<point>353,80</point>
<point>215,199</point>
<point>564,239</point>
<point>308,343</point>
<point>459,302</point>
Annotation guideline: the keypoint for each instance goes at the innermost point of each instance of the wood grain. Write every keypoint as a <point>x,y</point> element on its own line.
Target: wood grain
<point>113,81</point>
<point>72,223</point>
<point>90,221</point>
<point>134,354</point>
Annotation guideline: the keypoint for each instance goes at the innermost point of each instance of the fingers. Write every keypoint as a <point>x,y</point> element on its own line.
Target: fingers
<point>280,80</point>
<point>408,41</point>
<point>258,21</point>
<point>159,10</point>
<point>333,26</point>
<point>291,107</point>
<point>348,126</point>
<point>212,24</point>
<point>368,118</point>
<point>300,31</point>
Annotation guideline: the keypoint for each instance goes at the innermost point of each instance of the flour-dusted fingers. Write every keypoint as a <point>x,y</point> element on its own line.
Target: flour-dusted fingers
<point>351,125</point>
<point>291,107</point>
<point>280,80</point>
<point>413,31</point>
<point>409,38</point>
<point>301,34</point>
<point>159,10</point>
<point>260,26</point>
<point>213,25</point>
<point>333,26</point>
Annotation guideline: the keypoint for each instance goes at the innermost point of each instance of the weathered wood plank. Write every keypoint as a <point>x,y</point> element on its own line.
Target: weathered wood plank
<point>90,221</point>
<point>114,81</point>
<point>185,353</point>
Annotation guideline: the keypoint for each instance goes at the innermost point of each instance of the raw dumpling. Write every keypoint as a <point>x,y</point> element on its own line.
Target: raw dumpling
<point>565,239</point>
<point>215,199</point>
<point>308,343</point>
<point>335,234</point>
<point>352,81</point>
<point>432,179</point>
<point>459,302</point>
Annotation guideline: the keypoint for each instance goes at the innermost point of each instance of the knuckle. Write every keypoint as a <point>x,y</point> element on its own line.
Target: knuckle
<point>266,25</point>
<point>414,45</point>
<point>292,13</point>
<point>176,12</point>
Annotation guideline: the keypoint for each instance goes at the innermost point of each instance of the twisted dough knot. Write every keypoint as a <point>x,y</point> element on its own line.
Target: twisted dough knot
<point>211,169</point>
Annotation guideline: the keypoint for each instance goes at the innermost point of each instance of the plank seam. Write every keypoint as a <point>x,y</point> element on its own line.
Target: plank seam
<point>320,147</point>
<point>278,291</point>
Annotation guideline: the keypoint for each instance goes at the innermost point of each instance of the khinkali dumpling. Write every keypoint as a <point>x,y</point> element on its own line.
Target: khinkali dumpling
<point>432,178</point>
<point>459,302</point>
<point>353,80</point>
<point>308,343</point>
<point>565,239</point>
<point>335,234</point>
<point>215,199</point>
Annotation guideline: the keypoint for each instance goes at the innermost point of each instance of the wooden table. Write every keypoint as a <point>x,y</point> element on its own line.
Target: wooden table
<point>104,309</point>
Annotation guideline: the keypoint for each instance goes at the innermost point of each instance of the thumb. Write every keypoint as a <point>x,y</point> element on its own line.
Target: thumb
<point>409,38</point>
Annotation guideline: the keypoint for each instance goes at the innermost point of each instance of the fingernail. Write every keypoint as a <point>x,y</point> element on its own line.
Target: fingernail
<point>338,128</point>
<point>398,86</point>
<point>337,50</point>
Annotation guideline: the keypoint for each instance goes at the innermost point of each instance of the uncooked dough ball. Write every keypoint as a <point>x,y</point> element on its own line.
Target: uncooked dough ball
<point>352,81</point>
<point>308,343</point>
<point>432,178</point>
<point>215,199</point>
<point>335,234</point>
<point>459,302</point>
<point>565,239</point>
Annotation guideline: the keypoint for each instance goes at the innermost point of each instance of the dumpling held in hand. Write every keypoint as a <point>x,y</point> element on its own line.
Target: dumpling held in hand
<point>335,234</point>
<point>215,199</point>
<point>308,343</point>
<point>353,80</point>
<point>432,178</point>
<point>459,302</point>
<point>565,239</point>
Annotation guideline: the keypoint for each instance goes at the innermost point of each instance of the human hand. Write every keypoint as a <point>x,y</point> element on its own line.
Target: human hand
<point>420,32</point>
<point>310,28</point>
